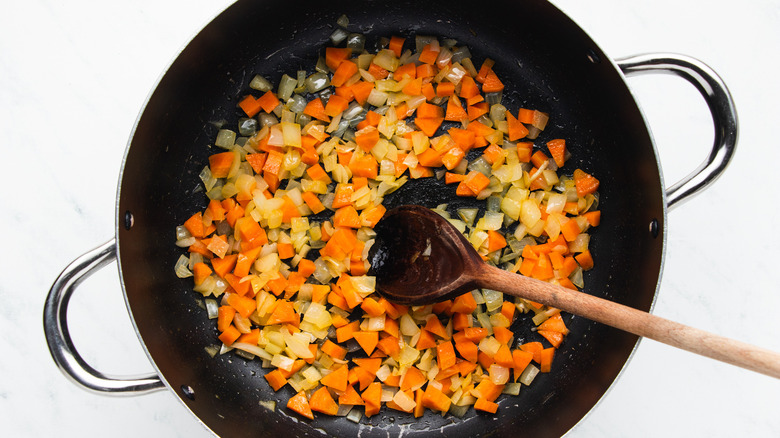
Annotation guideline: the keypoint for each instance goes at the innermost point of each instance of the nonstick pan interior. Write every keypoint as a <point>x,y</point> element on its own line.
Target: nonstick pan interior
<point>546,63</point>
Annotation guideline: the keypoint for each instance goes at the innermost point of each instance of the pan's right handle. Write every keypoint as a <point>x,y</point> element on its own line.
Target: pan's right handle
<point>720,103</point>
<point>61,346</point>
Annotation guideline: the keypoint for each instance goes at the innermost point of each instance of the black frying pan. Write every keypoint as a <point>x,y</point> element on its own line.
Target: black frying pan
<point>546,61</point>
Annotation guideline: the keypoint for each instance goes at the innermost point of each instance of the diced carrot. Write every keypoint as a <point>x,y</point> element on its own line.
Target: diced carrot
<point>468,88</point>
<point>428,125</point>
<point>225,316</point>
<point>372,307</point>
<point>464,303</point>
<point>419,408</point>
<point>224,265</point>
<point>487,406</point>
<point>275,379</point>
<point>336,105</point>
<point>200,271</point>
<point>350,397</point>
<point>318,294</point>
<point>557,149</point>
<point>468,350</point>
<point>451,178</point>
<point>485,69</point>
<point>426,71</point>
<point>435,399</point>
<point>535,348</point>
<point>488,390</point>
<point>503,334</point>
<point>268,101</point>
<point>477,110</point>
<point>346,217</point>
<point>335,56</point>
<point>244,306</point>
<point>296,366</point>
<point>429,54</point>
<point>503,356</point>
<point>316,109</point>
<point>342,195</point>
<point>546,359</point>
<point>455,111</point>
<point>377,72</point>
<point>306,267</point>
<point>367,137</point>
<point>585,260</point>
<point>426,340</point>
<point>525,116</point>
<point>365,166</point>
<point>343,72</point>
<point>430,158</point>
<point>413,379</point>
<point>345,91</point>
<point>543,269</point>
<point>337,379</point>
<point>554,338</point>
<point>570,230</point>
<point>285,250</point>
<point>496,241</point>
<point>427,89</point>
<point>524,151</point>
<point>313,202</point>
<point>413,88</point>
<point>521,360</point>
<point>492,83</point>
<point>284,313</point>
<point>300,404</point>
<point>445,355</point>
<point>585,183</point>
<point>390,346</point>
<point>396,44</point>
<point>322,401</point>
<point>369,217</point>
<point>361,90</point>
<point>461,321</point>
<point>230,335</point>
<point>249,105</point>
<point>464,190</point>
<point>317,173</point>
<point>516,130</point>
<point>345,333</point>
<point>476,181</point>
<point>366,340</point>
<point>435,326</point>
<point>372,398</point>
<point>508,310</point>
<point>593,217</point>
<point>221,163</point>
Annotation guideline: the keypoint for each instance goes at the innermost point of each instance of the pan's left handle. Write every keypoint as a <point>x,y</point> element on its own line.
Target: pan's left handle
<point>720,104</point>
<point>61,346</point>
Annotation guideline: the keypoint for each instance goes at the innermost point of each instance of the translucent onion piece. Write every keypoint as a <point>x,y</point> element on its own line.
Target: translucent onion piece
<point>181,267</point>
<point>212,307</point>
<point>260,83</point>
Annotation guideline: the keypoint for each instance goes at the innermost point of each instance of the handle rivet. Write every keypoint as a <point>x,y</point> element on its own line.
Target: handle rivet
<point>128,220</point>
<point>654,228</point>
<point>188,392</point>
<point>593,57</point>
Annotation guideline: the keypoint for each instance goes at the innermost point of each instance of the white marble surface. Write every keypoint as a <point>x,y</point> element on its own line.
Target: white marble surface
<point>73,76</point>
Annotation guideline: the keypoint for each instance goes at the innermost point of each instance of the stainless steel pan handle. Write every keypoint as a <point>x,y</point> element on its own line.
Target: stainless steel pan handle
<point>61,346</point>
<point>720,103</point>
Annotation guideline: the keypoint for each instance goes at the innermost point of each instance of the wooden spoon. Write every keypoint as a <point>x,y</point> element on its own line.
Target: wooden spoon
<point>420,258</point>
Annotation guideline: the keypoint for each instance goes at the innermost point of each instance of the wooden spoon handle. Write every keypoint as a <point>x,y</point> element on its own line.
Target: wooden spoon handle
<point>634,321</point>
